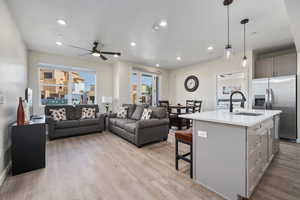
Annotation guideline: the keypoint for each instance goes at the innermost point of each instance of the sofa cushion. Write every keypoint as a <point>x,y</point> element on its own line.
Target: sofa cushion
<point>130,127</point>
<point>112,121</point>
<point>158,112</point>
<point>131,109</point>
<point>67,124</point>
<point>89,122</point>
<point>138,112</point>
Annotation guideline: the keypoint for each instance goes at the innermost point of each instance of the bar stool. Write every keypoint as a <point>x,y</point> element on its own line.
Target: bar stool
<point>185,137</point>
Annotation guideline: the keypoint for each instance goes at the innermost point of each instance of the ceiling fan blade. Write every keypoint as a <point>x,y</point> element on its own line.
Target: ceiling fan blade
<point>103,57</point>
<point>111,53</point>
<point>76,47</point>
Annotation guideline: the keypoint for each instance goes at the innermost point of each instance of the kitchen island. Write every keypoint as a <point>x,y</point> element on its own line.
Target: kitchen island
<point>231,151</point>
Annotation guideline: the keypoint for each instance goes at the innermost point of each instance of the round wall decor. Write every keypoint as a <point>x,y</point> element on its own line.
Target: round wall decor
<point>191,83</point>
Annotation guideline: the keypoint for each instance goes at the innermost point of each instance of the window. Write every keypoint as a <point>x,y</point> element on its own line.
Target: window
<point>48,75</point>
<point>60,86</point>
<point>144,88</point>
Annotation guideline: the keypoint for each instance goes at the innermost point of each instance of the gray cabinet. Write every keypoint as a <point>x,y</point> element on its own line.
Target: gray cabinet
<point>259,152</point>
<point>285,65</point>
<point>264,68</point>
<point>279,65</point>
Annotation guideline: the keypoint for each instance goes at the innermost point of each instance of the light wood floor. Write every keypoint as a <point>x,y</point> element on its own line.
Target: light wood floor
<point>104,166</point>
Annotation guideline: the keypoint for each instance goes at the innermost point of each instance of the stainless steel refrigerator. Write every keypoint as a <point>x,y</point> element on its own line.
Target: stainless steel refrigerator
<point>278,93</point>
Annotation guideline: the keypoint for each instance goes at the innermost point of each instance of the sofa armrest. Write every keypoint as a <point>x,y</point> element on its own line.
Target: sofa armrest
<point>100,115</point>
<point>152,123</point>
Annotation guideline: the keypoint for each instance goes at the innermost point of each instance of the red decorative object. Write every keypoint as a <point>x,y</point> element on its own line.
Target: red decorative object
<point>20,113</point>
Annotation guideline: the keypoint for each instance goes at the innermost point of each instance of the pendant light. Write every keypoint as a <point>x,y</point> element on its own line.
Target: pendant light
<point>244,60</point>
<point>228,47</point>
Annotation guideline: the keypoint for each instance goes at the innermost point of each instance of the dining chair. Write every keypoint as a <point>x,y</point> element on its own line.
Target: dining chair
<point>163,103</point>
<point>190,106</point>
<point>198,106</point>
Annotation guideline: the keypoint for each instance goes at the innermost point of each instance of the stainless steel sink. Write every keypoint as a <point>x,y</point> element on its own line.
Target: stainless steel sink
<point>248,114</point>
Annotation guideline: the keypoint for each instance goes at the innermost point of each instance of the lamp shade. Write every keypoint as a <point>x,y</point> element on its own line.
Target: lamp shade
<point>106,99</point>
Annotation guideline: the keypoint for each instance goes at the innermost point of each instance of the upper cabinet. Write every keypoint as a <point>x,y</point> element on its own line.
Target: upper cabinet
<point>277,65</point>
<point>285,65</point>
<point>264,68</point>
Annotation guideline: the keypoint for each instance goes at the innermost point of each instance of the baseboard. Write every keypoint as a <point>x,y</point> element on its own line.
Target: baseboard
<point>4,174</point>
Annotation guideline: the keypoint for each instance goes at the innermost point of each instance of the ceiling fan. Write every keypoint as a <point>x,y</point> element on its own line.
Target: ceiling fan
<point>97,52</point>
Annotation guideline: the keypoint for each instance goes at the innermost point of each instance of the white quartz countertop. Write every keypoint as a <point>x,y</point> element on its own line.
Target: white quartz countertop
<point>225,117</point>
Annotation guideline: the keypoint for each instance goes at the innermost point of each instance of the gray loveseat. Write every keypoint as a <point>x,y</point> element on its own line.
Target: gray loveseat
<point>74,125</point>
<point>140,132</point>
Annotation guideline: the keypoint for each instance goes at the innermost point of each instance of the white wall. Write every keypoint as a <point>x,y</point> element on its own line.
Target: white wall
<point>104,74</point>
<point>13,79</point>
<point>298,96</point>
<point>207,72</point>
<point>121,81</point>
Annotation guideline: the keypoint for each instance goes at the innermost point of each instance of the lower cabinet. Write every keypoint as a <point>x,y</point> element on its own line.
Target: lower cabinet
<point>260,152</point>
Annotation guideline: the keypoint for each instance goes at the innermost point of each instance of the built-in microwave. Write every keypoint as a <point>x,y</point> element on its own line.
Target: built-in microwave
<point>259,102</point>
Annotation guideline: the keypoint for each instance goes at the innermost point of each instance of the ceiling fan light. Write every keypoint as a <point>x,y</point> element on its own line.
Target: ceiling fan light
<point>163,23</point>
<point>61,22</point>
<point>96,54</point>
<point>58,43</point>
<point>244,61</point>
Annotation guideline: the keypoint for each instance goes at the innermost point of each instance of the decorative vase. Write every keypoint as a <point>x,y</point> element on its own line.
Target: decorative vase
<point>26,112</point>
<point>20,113</point>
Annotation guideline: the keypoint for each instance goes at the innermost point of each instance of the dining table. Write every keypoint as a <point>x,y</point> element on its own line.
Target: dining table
<point>179,108</point>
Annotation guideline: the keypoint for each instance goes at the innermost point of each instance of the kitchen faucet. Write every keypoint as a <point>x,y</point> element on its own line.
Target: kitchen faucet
<point>242,103</point>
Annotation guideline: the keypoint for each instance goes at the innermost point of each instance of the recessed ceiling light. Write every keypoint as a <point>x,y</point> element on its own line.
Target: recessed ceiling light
<point>116,55</point>
<point>210,48</point>
<point>133,44</point>
<point>157,65</point>
<point>163,23</point>
<point>62,22</point>
<point>59,43</point>
<point>155,27</point>
<point>178,58</point>
<point>96,54</point>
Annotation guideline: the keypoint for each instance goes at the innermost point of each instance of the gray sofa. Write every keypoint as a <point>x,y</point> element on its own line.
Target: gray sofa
<point>140,132</point>
<point>74,125</point>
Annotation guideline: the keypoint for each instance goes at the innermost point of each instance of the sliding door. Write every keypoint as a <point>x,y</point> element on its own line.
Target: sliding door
<point>144,88</point>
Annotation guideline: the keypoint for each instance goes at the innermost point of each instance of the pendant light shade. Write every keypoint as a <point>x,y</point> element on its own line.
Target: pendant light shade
<point>244,59</point>
<point>228,47</point>
<point>228,51</point>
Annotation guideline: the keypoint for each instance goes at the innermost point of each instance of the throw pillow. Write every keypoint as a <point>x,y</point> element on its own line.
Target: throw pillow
<point>138,112</point>
<point>122,112</point>
<point>146,114</point>
<point>58,114</point>
<point>88,113</point>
